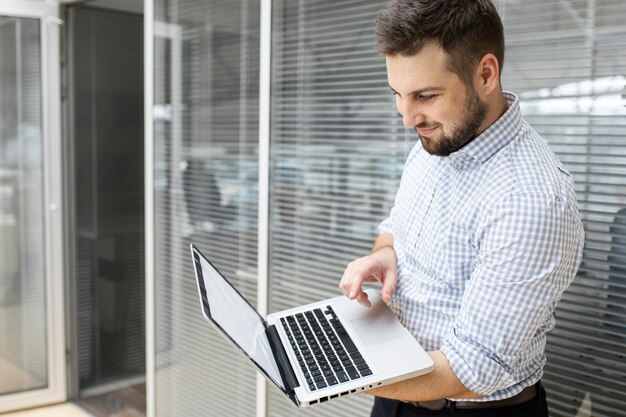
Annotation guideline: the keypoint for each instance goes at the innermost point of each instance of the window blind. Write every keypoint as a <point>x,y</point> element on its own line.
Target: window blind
<point>338,147</point>
<point>336,156</point>
<point>23,316</point>
<point>206,193</point>
<point>566,61</point>
<point>105,92</point>
<point>337,151</point>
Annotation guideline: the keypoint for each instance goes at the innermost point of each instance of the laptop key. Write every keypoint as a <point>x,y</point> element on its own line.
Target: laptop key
<point>362,366</point>
<point>366,372</point>
<point>342,376</point>
<point>347,342</point>
<point>321,385</point>
<point>332,380</point>
<point>359,361</point>
<point>354,374</point>
<point>312,387</point>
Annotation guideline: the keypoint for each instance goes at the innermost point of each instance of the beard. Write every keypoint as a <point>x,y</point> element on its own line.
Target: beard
<point>467,129</point>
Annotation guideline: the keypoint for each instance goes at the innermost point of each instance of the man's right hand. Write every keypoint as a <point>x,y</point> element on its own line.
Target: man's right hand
<point>380,265</point>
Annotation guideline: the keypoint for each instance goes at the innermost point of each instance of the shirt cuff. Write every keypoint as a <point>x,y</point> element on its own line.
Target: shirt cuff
<point>386,227</point>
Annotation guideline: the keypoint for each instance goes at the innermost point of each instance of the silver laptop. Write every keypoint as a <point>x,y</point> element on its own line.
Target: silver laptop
<point>316,352</point>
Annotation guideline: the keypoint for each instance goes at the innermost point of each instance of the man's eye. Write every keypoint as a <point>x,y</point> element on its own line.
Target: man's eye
<point>427,97</point>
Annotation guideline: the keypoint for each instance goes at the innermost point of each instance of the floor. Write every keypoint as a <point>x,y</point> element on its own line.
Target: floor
<point>59,410</point>
<point>15,379</point>
<point>126,402</point>
<point>22,365</point>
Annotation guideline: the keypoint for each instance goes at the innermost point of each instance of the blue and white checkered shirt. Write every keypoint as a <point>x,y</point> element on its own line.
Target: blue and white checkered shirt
<point>487,240</point>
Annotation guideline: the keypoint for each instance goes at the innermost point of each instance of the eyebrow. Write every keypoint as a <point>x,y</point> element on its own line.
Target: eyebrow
<point>420,90</point>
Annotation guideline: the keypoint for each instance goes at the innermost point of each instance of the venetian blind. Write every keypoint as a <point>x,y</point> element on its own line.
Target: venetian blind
<point>566,61</point>
<point>337,151</point>
<point>105,92</point>
<point>338,148</point>
<point>206,176</point>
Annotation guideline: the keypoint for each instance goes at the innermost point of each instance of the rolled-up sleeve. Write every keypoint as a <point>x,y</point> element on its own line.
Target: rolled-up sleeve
<point>529,248</point>
<point>386,226</point>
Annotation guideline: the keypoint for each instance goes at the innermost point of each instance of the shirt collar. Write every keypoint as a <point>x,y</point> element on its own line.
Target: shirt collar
<point>493,139</point>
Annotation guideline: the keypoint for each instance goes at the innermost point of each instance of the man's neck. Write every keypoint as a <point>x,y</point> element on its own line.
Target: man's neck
<point>497,107</point>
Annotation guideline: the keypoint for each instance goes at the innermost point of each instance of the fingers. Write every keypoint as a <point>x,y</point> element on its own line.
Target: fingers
<point>356,273</point>
<point>380,267</point>
<point>389,285</point>
<point>351,283</point>
<point>363,299</point>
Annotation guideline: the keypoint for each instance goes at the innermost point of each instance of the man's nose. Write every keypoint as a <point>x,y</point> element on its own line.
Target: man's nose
<point>411,114</point>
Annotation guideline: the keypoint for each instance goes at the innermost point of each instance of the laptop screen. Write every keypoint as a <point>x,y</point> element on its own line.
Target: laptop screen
<point>238,320</point>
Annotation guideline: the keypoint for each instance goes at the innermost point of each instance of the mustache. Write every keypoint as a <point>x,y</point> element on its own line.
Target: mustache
<point>425,125</point>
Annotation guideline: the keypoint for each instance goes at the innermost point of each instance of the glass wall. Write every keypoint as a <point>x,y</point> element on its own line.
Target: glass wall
<point>567,62</point>
<point>106,125</point>
<point>23,344</point>
<point>206,193</point>
<point>337,151</point>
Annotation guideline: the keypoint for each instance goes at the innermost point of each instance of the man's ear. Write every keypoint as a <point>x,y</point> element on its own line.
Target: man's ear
<point>488,74</point>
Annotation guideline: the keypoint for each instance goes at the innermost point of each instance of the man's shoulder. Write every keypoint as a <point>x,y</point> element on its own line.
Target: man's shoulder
<point>528,165</point>
<point>520,175</point>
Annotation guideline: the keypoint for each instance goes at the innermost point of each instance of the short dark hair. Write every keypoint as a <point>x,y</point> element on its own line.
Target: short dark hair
<point>465,29</point>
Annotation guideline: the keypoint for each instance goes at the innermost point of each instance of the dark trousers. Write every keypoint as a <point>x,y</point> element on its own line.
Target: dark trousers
<point>392,408</point>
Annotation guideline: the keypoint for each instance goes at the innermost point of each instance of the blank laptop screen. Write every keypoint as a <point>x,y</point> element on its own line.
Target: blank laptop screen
<point>239,320</point>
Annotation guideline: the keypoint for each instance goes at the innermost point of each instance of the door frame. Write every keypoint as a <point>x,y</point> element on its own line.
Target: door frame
<point>50,27</point>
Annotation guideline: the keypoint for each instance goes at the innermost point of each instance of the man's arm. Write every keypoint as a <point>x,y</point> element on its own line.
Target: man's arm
<point>440,383</point>
<point>381,265</point>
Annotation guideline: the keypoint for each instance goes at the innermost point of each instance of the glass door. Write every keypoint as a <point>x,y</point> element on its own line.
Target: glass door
<point>32,366</point>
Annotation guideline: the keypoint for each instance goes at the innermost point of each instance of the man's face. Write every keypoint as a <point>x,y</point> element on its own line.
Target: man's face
<point>444,112</point>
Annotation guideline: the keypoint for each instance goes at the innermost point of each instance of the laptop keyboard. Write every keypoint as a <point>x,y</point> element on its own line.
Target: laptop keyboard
<point>326,353</point>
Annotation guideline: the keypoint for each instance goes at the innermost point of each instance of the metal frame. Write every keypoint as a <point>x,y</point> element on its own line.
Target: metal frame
<point>49,17</point>
<point>73,378</point>
<point>149,205</point>
<point>265,84</point>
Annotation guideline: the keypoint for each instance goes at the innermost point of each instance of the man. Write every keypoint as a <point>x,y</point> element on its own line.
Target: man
<point>484,236</point>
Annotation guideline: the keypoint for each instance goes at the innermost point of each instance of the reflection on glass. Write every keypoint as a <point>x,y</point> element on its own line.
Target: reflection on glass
<point>205,190</point>
<point>23,362</point>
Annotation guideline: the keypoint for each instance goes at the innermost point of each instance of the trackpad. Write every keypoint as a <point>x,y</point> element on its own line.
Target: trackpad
<point>380,325</point>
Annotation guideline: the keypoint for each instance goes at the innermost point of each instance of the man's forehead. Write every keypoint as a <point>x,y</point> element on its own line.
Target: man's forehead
<point>415,72</point>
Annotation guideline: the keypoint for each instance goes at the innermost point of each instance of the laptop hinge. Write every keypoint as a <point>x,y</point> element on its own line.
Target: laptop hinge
<point>284,367</point>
